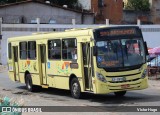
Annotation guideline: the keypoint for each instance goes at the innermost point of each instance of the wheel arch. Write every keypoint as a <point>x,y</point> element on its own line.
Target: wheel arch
<point>70,79</point>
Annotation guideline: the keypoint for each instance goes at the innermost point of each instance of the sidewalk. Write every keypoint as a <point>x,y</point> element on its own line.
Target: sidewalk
<point>154,81</point>
<point>3,68</point>
<point>154,77</point>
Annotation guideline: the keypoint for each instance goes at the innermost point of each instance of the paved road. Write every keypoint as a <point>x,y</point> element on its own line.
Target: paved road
<point>55,97</point>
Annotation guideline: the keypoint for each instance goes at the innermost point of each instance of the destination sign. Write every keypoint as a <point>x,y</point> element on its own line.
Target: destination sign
<point>118,32</point>
<point>114,32</point>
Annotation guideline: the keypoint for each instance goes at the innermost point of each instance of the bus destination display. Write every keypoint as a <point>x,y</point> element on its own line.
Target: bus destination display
<point>114,32</point>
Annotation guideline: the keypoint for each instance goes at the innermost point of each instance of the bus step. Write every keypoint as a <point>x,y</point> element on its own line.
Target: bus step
<point>88,91</point>
<point>45,86</point>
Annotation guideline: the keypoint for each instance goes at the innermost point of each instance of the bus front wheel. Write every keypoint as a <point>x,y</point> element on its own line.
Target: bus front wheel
<point>120,93</point>
<point>75,88</point>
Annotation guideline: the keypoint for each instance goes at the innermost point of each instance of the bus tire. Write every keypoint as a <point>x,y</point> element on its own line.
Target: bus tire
<point>29,83</point>
<point>120,93</point>
<point>75,88</point>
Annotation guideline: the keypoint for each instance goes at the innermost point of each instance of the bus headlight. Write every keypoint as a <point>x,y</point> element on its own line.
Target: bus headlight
<point>101,77</point>
<point>144,74</point>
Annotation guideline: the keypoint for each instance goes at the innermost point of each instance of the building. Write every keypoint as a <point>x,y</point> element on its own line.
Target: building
<point>155,11</point>
<point>28,11</point>
<point>108,9</point>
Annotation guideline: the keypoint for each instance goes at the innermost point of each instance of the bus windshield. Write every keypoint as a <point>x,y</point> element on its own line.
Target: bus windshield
<point>119,53</point>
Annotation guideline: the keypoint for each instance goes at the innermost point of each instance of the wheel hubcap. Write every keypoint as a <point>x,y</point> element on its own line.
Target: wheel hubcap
<point>75,88</point>
<point>28,84</point>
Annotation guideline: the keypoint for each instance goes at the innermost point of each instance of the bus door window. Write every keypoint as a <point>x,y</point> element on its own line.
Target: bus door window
<point>15,53</point>
<point>9,51</point>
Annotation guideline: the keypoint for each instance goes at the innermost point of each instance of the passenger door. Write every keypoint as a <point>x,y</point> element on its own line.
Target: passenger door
<point>43,63</point>
<point>16,66</point>
<point>87,59</point>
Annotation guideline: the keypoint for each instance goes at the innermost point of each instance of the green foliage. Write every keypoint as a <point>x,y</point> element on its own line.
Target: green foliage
<point>138,5</point>
<point>10,1</point>
<point>70,3</point>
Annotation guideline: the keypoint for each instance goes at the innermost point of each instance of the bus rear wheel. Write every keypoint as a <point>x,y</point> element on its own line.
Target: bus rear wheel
<point>29,83</point>
<point>75,88</point>
<point>120,93</point>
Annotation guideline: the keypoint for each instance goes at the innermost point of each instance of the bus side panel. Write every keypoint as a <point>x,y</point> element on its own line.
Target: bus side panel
<point>35,79</point>
<point>58,74</point>
<point>11,75</point>
<point>32,67</point>
<point>51,81</point>
<point>21,76</point>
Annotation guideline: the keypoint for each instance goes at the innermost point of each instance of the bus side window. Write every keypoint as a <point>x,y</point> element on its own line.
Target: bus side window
<point>69,49</point>
<point>23,50</point>
<point>54,49</point>
<point>31,50</point>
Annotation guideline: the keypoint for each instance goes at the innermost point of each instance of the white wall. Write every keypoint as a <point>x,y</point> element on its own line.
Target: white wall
<point>151,34</point>
<point>4,50</point>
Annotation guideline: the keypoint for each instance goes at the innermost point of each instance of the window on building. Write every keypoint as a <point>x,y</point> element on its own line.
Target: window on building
<point>52,21</point>
<point>100,3</point>
<point>23,50</point>
<point>9,51</point>
<point>54,49</point>
<point>33,21</point>
<point>31,50</point>
<point>69,48</point>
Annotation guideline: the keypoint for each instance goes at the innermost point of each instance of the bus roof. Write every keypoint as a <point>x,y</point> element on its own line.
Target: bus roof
<point>68,33</point>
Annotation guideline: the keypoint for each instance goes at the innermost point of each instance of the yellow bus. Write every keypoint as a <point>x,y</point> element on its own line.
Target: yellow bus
<point>96,60</point>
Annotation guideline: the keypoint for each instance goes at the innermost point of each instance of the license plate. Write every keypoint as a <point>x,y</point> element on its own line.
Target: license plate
<point>125,86</point>
<point>115,79</point>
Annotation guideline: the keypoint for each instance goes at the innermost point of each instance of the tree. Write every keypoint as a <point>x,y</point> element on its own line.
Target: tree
<point>138,5</point>
<point>70,3</point>
<point>10,1</point>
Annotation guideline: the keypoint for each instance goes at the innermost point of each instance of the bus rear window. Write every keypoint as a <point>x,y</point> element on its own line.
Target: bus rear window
<point>9,51</point>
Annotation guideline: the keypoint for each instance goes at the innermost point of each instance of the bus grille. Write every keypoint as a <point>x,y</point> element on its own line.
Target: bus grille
<point>124,81</point>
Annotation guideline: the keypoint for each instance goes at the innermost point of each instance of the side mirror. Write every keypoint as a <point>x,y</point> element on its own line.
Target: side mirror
<point>94,50</point>
<point>146,49</point>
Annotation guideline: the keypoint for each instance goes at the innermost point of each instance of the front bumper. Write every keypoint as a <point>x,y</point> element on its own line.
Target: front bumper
<point>104,88</point>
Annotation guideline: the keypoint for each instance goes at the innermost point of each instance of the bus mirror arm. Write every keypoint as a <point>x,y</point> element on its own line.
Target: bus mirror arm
<point>146,49</point>
<point>94,50</point>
